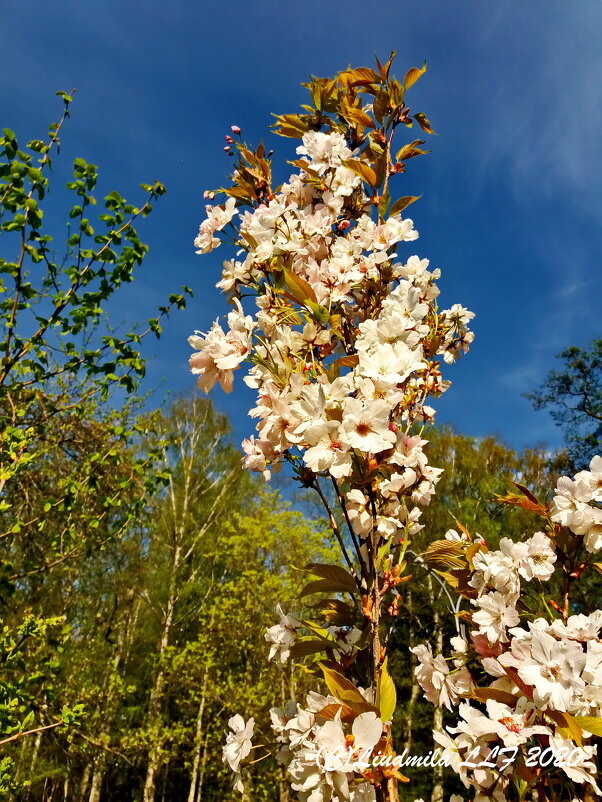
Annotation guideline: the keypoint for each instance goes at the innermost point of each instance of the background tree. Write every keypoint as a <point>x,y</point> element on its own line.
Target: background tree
<point>157,653</point>
<point>573,396</point>
<point>68,478</point>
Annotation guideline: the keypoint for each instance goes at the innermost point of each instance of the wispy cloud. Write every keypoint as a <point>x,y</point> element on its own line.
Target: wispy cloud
<point>543,124</point>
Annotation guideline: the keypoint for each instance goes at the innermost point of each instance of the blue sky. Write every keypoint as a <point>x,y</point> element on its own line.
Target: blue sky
<point>512,191</point>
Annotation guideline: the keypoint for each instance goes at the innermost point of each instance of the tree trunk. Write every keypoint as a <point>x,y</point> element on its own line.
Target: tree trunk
<point>202,773</point>
<point>84,783</point>
<point>20,763</point>
<point>158,692</point>
<point>34,760</point>
<point>97,778</point>
<point>415,692</point>
<point>111,695</point>
<point>198,742</point>
<point>165,778</point>
<point>437,792</point>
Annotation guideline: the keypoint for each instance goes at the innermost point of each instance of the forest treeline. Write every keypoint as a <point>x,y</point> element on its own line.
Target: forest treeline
<point>139,563</point>
<point>155,626</point>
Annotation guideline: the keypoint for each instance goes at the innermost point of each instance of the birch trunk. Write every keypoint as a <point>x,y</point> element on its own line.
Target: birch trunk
<point>186,537</point>
<point>415,692</point>
<point>34,760</point>
<point>199,794</point>
<point>158,692</point>
<point>84,783</point>
<point>198,743</point>
<point>437,792</point>
<point>112,702</point>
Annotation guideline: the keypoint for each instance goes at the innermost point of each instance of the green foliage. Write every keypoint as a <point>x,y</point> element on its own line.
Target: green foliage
<point>52,305</point>
<point>573,396</point>
<point>71,479</point>
<point>158,653</point>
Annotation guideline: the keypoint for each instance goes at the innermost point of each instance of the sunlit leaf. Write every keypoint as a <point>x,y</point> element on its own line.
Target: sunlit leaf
<point>412,75</point>
<point>423,122</point>
<point>346,692</point>
<point>362,169</point>
<point>591,724</point>
<point>386,695</point>
<point>403,203</point>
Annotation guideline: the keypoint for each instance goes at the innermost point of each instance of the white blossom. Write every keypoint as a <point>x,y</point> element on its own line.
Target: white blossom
<point>494,616</point>
<point>238,742</point>
<point>282,636</point>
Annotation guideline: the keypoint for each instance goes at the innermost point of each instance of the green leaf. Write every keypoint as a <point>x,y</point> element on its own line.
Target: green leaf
<point>384,71</point>
<point>357,117</point>
<point>336,612</point>
<point>568,726</point>
<point>386,695</point>
<point>444,554</point>
<point>334,573</point>
<point>329,712</point>
<point>325,586</point>
<point>380,106</point>
<point>383,204</point>
<point>410,151</point>
<point>320,313</point>
<point>291,125</point>
<point>303,648</point>
<point>504,697</point>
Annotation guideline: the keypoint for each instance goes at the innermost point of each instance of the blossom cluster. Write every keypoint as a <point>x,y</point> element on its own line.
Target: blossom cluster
<point>575,502</point>
<point>344,345</point>
<point>539,677</point>
<point>308,737</point>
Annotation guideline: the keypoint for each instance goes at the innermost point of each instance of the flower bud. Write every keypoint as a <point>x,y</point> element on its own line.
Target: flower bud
<point>235,129</point>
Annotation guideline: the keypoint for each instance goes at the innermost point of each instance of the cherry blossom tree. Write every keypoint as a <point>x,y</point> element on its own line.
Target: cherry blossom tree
<point>345,349</point>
